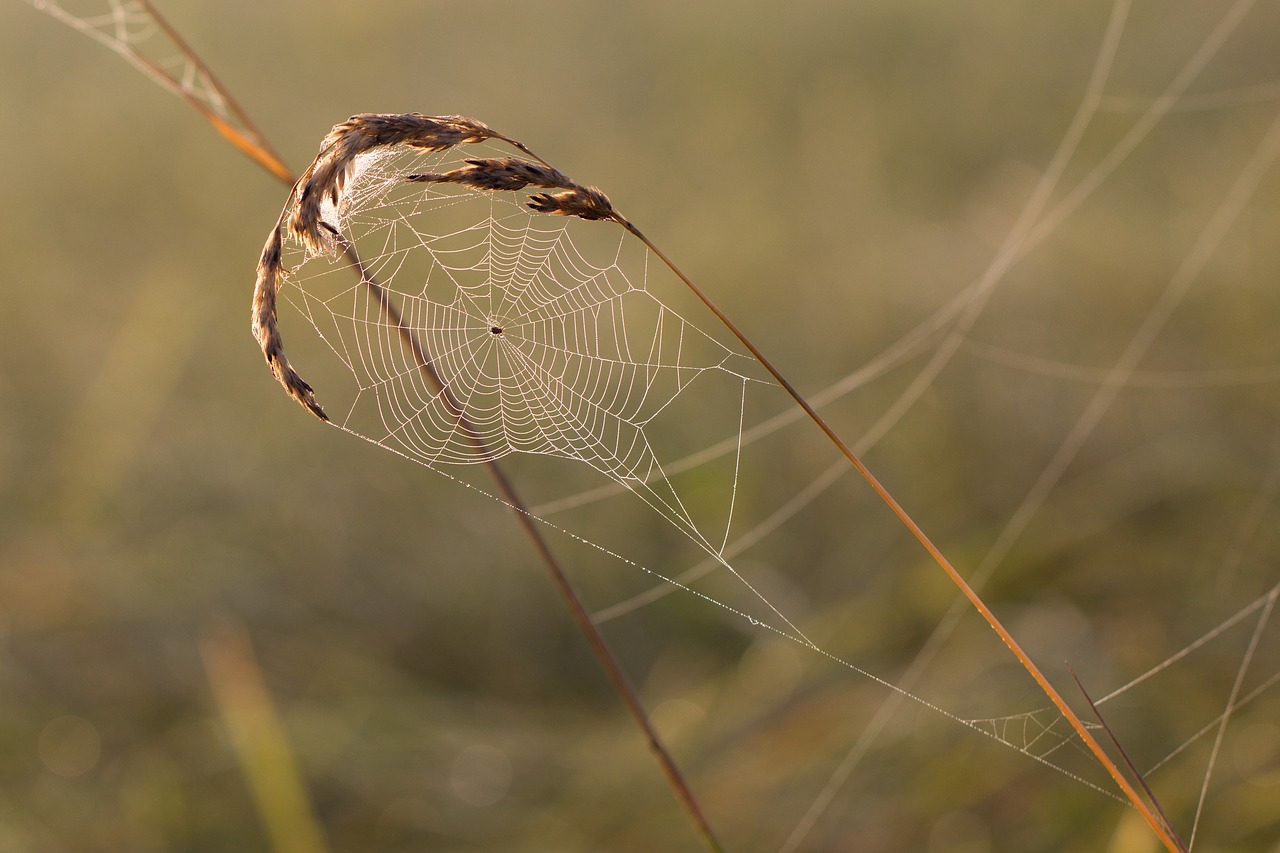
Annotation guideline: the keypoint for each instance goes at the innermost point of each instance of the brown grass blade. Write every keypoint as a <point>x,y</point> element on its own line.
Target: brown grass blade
<point>1137,774</point>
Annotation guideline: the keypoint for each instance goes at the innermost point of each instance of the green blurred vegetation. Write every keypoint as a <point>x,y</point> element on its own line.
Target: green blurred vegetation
<point>833,173</point>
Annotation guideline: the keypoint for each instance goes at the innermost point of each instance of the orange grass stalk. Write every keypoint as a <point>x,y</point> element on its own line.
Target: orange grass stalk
<point>361,133</point>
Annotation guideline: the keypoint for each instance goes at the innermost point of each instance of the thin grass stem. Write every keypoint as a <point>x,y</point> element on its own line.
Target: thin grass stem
<point>1128,762</point>
<point>1023,658</point>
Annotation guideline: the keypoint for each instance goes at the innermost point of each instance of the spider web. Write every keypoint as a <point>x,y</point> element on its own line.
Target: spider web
<point>541,335</point>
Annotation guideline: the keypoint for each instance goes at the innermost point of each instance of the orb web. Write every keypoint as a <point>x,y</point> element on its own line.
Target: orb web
<point>511,331</point>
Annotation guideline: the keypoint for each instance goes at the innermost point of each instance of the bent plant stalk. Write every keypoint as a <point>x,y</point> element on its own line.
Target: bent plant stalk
<point>302,217</point>
<point>366,132</point>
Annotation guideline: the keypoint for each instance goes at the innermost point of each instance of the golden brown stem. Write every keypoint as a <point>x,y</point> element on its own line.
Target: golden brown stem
<point>1130,792</point>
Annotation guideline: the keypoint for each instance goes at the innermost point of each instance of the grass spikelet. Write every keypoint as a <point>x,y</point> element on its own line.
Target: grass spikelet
<point>325,180</point>
<point>583,202</point>
<point>326,176</point>
<point>266,329</point>
<point>500,173</point>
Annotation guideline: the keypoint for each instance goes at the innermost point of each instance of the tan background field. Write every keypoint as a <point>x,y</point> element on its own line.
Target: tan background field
<point>226,627</point>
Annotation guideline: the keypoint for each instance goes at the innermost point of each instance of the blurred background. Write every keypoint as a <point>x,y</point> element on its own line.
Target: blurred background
<point>224,626</point>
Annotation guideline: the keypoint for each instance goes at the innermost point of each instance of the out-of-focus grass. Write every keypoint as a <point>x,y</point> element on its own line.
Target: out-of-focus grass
<point>833,173</point>
<point>260,743</point>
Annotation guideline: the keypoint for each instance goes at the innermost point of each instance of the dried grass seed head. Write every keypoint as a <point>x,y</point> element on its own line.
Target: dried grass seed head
<point>326,177</point>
